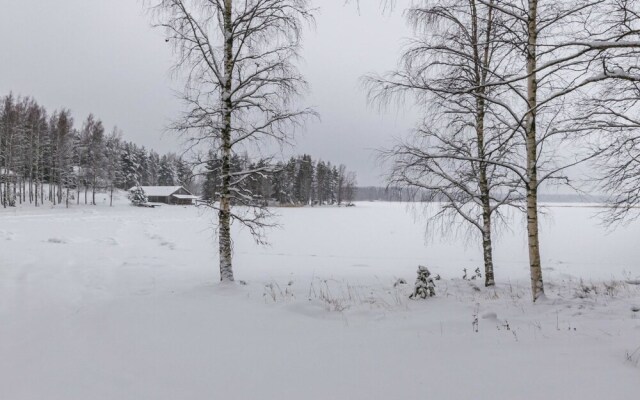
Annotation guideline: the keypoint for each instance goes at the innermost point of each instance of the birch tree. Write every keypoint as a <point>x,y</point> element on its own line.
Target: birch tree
<point>455,51</point>
<point>241,84</point>
<point>614,112</point>
<point>562,53</point>
<point>569,50</point>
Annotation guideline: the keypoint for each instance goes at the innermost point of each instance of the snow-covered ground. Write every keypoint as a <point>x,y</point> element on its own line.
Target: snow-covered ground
<point>122,303</point>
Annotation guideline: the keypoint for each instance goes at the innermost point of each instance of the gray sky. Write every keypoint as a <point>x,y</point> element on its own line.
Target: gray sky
<point>102,56</point>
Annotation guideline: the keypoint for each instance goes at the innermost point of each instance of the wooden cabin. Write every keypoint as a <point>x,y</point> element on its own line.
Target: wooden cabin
<point>168,195</point>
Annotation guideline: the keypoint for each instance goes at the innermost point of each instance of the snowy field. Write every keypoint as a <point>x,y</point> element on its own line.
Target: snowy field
<point>123,303</point>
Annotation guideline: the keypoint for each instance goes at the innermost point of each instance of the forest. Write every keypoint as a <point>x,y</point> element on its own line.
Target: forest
<point>45,157</point>
<point>299,181</point>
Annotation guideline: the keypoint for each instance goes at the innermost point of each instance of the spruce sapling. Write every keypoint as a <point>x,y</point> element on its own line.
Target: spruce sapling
<point>425,286</point>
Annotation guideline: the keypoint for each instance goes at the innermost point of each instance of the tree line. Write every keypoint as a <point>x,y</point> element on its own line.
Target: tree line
<point>45,158</point>
<point>299,181</point>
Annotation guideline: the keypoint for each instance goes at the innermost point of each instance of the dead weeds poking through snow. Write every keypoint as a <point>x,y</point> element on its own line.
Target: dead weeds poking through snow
<point>341,295</point>
<point>633,357</point>
<point>274,293</point>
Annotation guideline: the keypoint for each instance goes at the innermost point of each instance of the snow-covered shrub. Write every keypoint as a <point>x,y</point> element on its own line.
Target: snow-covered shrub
<point>583,290</point>
<point>137,196</point>
<point>425,285</point>
<point>611,288</point>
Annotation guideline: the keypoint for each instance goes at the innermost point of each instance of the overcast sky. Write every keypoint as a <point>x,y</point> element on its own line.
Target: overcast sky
<point>102,56</point>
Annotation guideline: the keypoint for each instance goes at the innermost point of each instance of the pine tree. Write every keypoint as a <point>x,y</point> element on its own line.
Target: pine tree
<point>96,153</point>
<point>166,172</point>
<point>113,158</point>
<point>153,166</point>
<point>129,165</point>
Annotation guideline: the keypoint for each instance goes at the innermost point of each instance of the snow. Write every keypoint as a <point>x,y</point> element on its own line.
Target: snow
<point>123,303</point>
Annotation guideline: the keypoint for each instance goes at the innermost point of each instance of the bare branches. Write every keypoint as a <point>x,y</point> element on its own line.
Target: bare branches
<point>240,92</point>
<point>546,82</point>
<point>463,155</point>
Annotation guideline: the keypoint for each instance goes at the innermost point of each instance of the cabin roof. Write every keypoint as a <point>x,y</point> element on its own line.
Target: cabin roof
<point>185,196</point>
<point>160,191</point>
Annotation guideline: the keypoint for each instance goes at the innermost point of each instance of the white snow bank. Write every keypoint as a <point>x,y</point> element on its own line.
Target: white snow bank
<point>117,314</point>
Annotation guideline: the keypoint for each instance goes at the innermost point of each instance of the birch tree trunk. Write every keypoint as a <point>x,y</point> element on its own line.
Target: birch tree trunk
<point>481,66</point>
<point>224,215</point>
<point>537,286</point>
<point>485,199</point>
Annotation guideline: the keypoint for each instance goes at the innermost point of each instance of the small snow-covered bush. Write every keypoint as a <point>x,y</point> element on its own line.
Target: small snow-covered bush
<point>425,285</point>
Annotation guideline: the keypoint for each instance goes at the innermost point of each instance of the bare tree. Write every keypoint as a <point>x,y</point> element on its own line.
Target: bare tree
<point>614,111</point>
<point>238,57</point>
<point>350,183</point>
<point>455,50</point>
<point>561,52</point>
<point>619,177</point>
<point>568,51</point>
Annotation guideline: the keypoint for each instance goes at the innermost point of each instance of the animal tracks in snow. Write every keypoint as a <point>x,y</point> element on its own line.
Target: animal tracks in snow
<point>160,240</point>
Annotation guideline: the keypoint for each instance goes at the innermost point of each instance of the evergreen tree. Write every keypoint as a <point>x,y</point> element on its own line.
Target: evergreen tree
<point>166,172</point>
<point>425,286</point>
<point>129,165</point>
<point>137,196</point>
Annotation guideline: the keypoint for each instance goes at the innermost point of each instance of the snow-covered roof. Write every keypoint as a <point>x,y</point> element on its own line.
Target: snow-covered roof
<point>159,191</point>
<point>184,196</point>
